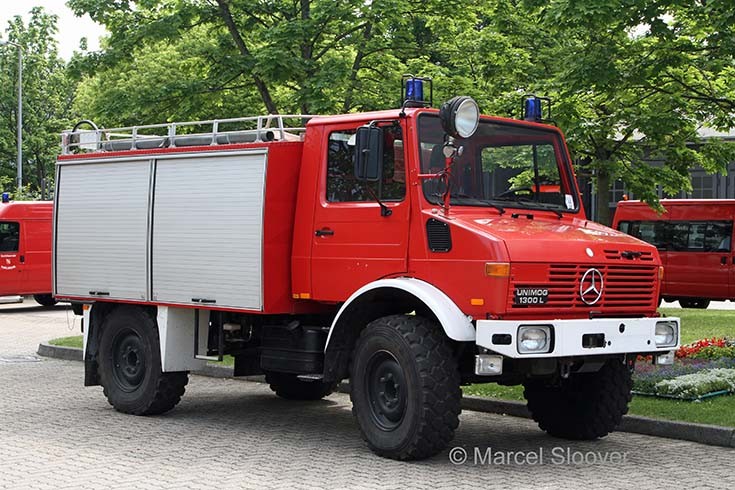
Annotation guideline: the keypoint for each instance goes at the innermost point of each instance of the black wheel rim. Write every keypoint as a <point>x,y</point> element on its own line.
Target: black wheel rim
<point>386,389</point>
<point>128,356</point>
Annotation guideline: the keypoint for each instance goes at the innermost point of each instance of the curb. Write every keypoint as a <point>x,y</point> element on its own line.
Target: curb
<point>712,435</point>
<point>59,352</point>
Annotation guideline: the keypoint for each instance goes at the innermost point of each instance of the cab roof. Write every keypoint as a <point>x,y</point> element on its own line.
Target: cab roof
<point>17,210</point>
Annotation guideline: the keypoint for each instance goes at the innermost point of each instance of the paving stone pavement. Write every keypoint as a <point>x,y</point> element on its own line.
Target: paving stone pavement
<point>54,433</point>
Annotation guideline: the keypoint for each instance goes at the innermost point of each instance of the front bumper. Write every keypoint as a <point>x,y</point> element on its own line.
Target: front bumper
<point>621,336</point>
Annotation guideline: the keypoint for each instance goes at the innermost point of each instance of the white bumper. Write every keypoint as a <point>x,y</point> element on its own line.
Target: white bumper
<point>621,336</point>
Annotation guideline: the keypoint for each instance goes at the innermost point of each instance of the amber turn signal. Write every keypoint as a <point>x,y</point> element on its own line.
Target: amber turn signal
<point>497,269</point>
<point>660,273</point>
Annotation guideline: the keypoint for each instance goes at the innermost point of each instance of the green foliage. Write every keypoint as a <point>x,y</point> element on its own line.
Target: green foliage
<point>48,92</point>
<point>714,352</point>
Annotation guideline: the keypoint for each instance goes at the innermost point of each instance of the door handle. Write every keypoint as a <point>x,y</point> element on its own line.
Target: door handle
<point>22,259</point>
<point>723,260</point>
<point>324,232</point>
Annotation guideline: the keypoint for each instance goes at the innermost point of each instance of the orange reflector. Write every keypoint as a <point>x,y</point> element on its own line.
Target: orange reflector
<point>497,269</point>
<point>295,295</point>
<point>477,301</point>
<point>660,273</point>
<point>305,295</point>
<point>85,307</point>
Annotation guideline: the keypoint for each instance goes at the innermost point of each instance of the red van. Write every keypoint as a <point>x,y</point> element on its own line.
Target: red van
<point>694,239</point>
<point>25,250</point>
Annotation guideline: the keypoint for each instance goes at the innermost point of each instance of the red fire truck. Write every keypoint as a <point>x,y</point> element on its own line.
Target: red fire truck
<point>25,249</point>
<point>412,251</point>
<point>694,240</point>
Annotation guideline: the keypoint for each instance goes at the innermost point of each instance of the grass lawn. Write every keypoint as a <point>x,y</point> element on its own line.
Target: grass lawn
<point>75,341</point>
<point>700,324</point>
<point>695,325</point>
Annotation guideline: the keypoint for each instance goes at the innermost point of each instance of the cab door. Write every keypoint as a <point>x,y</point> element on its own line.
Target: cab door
<point>36,260</point>
<point>11,266</point>
<point>354,241</point>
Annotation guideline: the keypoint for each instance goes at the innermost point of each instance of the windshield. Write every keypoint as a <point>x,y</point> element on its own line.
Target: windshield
<point>501,164</point>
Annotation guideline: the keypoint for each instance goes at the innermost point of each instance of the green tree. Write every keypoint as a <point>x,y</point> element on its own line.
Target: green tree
<point>635,81</point>
<point>48,94</point>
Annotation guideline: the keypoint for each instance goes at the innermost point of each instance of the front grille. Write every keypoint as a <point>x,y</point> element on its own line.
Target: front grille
<point>625,286</point>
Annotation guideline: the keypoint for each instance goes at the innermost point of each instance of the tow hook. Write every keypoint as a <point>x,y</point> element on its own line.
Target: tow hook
<point>565,369</point>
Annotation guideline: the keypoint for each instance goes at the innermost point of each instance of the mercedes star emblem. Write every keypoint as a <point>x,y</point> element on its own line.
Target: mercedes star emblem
<point>590,287</point>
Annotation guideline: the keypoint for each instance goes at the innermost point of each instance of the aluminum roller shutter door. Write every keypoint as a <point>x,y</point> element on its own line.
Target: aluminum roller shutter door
<point>102,229</point>
<point>208,229</point>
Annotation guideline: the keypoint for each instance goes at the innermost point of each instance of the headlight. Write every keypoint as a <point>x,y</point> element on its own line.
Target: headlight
<point>460,116</point>
<point>666,334</point>
<point>534,339</point>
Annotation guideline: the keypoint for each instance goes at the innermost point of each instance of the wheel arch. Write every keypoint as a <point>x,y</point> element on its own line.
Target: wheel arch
<point>387,297</point>
<point>98,313</point>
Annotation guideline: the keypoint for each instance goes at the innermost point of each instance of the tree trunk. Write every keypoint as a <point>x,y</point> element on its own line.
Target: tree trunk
<point>603,196</point>
<point>226,15</point>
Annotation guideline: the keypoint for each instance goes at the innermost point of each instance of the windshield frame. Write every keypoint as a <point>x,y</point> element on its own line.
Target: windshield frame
<point>566,173</point>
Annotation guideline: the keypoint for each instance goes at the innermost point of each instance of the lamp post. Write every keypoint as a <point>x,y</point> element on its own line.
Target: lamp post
<point>20,110</point>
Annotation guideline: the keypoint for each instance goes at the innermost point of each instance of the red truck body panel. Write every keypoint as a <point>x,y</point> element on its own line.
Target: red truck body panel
<point>25,248</point>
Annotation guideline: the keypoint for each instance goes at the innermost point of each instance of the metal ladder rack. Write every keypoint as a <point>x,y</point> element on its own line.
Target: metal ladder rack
<point>254,129</point>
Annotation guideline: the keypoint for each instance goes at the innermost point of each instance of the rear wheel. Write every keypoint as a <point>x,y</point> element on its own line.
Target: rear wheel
<point>130,365</point>
<point>583,406</point>
<point>698,303</point>
<point>405,387</point>
<point>290,387</point>
<point>44,299</point>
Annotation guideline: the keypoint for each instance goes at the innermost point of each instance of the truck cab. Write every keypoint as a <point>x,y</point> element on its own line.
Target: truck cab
<point>410,251</point>
<point>25,249</point>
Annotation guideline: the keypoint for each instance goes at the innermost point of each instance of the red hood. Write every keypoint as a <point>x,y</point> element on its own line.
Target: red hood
<point>545,239</point>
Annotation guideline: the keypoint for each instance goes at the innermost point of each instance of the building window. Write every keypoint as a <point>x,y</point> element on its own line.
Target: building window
<point>703,187</point>
<point>617,191</point>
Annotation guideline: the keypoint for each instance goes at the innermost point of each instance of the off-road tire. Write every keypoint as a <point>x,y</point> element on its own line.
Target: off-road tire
<point>44,300</point>
<point>136,388</point>
<point>290,387</point>
<point>427,394</point>
<point>583,407</point>
<point>697,303</point>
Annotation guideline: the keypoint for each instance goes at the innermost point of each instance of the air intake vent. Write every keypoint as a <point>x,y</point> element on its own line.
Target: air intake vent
<point>440,238</point>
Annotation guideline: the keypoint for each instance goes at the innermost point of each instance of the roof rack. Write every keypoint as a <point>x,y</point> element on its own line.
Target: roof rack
<point>253,129</point>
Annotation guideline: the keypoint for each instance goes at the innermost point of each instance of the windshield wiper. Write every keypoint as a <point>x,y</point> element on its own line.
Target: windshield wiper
<point>464,198</point>
<point>532,205</point>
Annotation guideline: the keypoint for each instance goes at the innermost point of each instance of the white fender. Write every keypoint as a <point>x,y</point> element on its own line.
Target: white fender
<point>456,324</point>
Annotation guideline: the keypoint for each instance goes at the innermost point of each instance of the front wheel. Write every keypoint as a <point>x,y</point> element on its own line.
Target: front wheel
<point>584,406</point>
<point>130,365</point>
<point>405,387</point>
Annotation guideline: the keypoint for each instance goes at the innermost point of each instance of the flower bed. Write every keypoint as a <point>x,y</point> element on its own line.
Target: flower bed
<point>703,369</point>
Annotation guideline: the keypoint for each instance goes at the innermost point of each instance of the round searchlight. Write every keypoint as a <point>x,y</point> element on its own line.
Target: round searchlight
<point>460,116</point>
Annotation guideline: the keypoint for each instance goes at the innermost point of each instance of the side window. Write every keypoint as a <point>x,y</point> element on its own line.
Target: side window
<point>9,236</point>
<point>700,236</point>
<point>718,236</point>
<point>679,236</point>
<point>341,183</point>
<point>653,232</point>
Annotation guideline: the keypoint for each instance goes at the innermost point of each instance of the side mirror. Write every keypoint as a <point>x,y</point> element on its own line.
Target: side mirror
<point>369,153</point>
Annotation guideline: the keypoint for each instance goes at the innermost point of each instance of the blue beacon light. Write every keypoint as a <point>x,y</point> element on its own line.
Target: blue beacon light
<point>532,109</point>
<point>414,89</point>
<point>6,197</point>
